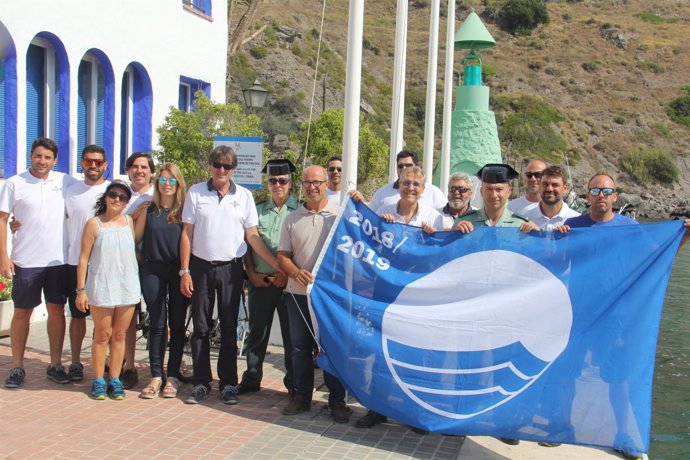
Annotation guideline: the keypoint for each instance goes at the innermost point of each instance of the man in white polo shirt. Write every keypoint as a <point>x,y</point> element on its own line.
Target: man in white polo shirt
<point>551,211</point>
<point>389,194</point>
<point>219,219</point>
<point>36,199</point>
<point>524,204</point>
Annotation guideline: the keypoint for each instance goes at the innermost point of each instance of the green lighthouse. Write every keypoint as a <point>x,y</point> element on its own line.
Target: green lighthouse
<point>474,135</point>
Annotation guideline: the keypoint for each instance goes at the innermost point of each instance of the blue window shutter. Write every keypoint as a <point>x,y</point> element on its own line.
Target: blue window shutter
<point>124,122</point>
<point>100,107</point>
<point>35,96</point>
<point>183,97</point>
<point>83,93</point>
<point>2,118</point>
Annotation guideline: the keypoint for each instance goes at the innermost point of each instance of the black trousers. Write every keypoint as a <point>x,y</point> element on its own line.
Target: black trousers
<point>158,281</point>
<point>263,302</point>
<point>224,281</point>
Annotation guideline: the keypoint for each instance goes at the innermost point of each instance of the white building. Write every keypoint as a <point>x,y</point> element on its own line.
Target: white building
<point>103,72</point>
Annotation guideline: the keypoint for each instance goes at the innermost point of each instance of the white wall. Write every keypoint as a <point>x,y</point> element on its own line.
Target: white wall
<point>165,37</point>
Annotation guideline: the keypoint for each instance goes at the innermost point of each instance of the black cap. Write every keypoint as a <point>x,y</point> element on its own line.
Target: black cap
<point>279,167</point>
<point>497,173</point>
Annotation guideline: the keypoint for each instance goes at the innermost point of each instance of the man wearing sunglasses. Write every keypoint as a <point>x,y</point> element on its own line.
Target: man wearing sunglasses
<point>459,197</point>
<point>265,284</point>
<point>389,194</point>
<point>36,198</point>
<point>219,222</point>
<point>80,199</point>
<point>335,170</point>
<point>532,177</point>
<point>601,194</point>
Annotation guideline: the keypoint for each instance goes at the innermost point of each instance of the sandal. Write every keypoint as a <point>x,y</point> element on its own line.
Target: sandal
<point>151,390</point>
<point>170,388</point>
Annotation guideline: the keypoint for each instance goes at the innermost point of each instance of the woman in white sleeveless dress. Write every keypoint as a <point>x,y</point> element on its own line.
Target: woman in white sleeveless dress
<point>111,287</point>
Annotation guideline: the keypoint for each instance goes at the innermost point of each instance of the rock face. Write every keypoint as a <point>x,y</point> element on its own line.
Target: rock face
<point>616,36</point>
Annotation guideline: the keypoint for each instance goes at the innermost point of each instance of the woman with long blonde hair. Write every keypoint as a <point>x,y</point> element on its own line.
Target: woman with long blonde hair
<point>158,231</point>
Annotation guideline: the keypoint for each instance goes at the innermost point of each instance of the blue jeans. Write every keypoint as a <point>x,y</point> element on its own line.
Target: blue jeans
<point>303,346</point>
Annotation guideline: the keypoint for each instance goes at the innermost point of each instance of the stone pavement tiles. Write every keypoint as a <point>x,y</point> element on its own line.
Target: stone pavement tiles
<point>47,420</point>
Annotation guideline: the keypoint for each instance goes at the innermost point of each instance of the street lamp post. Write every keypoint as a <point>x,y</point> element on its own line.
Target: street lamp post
<point>255,97</point>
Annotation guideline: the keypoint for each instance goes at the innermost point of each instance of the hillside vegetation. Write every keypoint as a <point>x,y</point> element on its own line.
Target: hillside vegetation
<point>604,82</point>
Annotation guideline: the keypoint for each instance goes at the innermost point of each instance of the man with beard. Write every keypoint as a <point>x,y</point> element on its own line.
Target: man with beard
<point>532,180</point>
<point>335,170</point>
<point>140,168</point>
<point>551,210</point>
<point>36,198</point>
<point>459,197</point>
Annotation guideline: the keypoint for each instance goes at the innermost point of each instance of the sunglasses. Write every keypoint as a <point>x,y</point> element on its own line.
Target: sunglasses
<point>334,169</point>
<point>313,183</point>
<point>458,189</point>
<point>607,191</point>
<point>170,180</point>
<point>411,183</point>
<point>225,166</point>
<point>535,175</point>
<point>92,162</point>
<point>405,165</point>
<point>120,196</point>
<point>278,180</point>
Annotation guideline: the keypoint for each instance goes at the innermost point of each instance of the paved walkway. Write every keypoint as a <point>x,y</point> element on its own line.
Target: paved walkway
<point>47,420</point>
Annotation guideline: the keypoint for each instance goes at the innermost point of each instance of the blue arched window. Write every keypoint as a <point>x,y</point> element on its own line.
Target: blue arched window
<point>136,114</point>
<point>95,104</point>
<point>47,95</point>
<point>8,105</point>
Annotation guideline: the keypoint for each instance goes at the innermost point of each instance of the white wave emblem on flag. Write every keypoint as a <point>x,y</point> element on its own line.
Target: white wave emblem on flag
<point>498,321</point>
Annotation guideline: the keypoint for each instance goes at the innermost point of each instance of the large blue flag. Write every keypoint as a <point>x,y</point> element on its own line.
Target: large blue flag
<point>542,337</point>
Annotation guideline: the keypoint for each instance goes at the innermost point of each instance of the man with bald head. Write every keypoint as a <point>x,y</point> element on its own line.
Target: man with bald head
<point>302,236</point>
<point>532,176</point>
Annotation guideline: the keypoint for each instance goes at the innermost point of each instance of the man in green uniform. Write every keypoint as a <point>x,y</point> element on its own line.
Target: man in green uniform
<point>265,284</point>
<point>495,190</point>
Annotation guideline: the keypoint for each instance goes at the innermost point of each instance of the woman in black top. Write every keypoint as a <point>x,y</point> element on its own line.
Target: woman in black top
<point>159,231</point>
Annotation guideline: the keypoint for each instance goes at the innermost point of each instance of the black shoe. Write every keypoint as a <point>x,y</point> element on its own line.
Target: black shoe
<point>76,372</point>
<point>57,374</point>
<point>419,431</point>
<point>372,418</point>
<point>129,378</point>
<point>549,444</point>
<point>509,441</point>
<point>228,394</point>
<point>15,379</point>
<point>243,388</point>
<point>340,412</point>
<point>297,405</point>
<point>199,394</point>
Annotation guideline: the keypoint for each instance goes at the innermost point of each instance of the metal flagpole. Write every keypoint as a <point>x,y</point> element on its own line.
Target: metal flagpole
<point>398,111</point>
<point>353,82</point>
<point>448,97</point>
<point>430,114</point>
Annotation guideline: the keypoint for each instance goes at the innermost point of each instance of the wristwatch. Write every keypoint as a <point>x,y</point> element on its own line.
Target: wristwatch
<point>183,271</point>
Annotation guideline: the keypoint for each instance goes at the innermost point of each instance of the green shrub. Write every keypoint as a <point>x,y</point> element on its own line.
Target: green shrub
<point>590,66</point>
<point>258,52</point>
<point>522,15</point>
<point>296,50</point>
<point>653,166</point>
<point>240,69</point>
<point>525,125</point>
<point>679,110</point>
<point>619,119</point>
<point>650,18</point>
